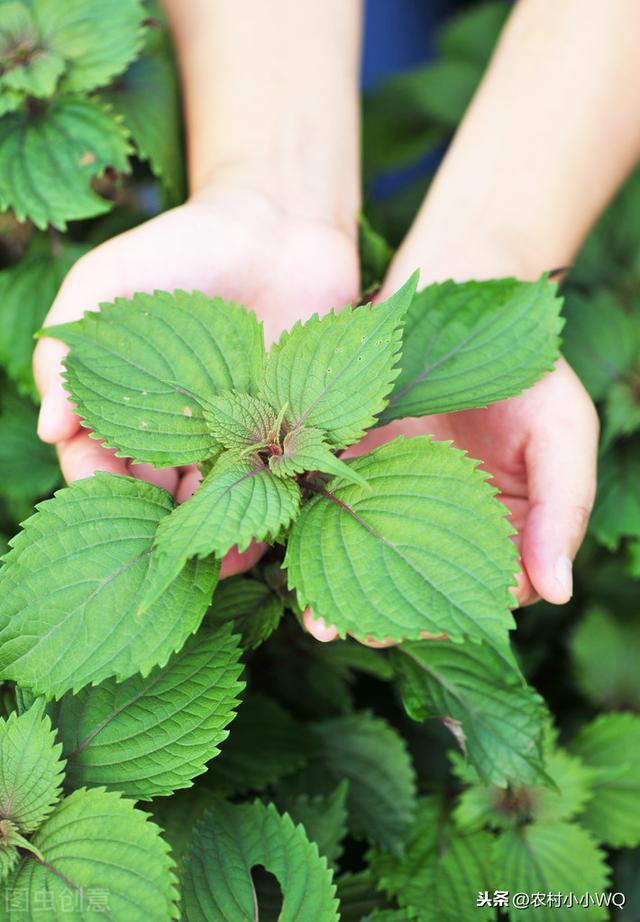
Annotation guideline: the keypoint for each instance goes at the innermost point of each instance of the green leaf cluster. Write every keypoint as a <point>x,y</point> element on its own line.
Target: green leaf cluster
<point>440,871</point>
<point>45,48</point>
<point>80,91</point>
<point>550,838</point>
<point>108,581</point>
<point>602,342</point>
<point>330,794</point>
<point>173,379</point>
<point>82,849</point>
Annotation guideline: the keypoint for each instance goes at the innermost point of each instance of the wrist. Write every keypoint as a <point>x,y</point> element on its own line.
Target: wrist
<point>272,102</point>
<point>279,193</point>
<point>461,251</point>
<point>443,247</point>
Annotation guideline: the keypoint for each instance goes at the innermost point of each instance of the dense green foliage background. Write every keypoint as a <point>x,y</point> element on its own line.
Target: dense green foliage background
<point>323,734</point>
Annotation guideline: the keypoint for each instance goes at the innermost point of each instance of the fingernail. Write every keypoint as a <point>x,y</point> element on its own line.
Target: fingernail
<point>564,575</point>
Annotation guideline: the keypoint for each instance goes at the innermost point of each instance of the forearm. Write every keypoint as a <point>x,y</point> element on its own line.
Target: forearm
<point>551,133</point>
<point>271,100</point>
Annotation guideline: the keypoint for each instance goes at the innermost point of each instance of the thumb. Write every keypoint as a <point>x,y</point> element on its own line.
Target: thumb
<point>92,279</point>
<point>561,469</point>
<point>57,422</point>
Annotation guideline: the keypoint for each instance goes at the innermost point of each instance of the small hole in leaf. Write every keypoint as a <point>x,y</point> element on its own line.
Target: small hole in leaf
<point>268,894</point>
<point>187,411</point>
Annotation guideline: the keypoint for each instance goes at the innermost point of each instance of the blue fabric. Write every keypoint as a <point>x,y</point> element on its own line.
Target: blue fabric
<point>399,34</point>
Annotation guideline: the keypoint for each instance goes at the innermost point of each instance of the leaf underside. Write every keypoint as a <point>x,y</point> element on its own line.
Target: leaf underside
<point>250,605</point>
<point>500,718</point>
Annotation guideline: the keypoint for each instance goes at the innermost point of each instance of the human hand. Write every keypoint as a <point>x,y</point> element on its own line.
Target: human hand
<point>540,449</point>
<point>227,241</point>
